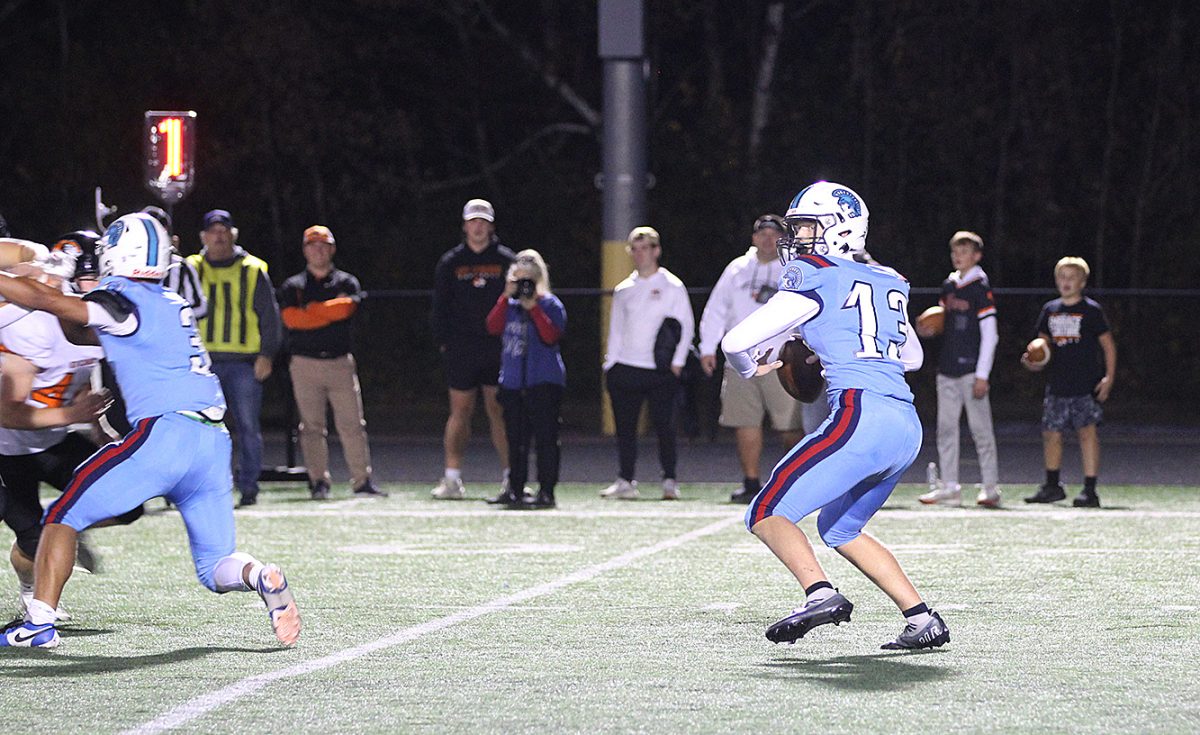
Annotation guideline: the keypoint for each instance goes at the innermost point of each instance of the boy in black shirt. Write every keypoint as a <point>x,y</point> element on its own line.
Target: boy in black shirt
<point>1077,330</point>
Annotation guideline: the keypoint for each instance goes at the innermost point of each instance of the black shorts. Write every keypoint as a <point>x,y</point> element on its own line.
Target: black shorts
<point>471,364</point>
<point>23,472</point>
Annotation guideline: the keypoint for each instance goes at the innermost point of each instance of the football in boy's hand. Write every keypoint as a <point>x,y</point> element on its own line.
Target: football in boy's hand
<point>800,375</point>
<point>931,322</point>
<point>1037,354</point>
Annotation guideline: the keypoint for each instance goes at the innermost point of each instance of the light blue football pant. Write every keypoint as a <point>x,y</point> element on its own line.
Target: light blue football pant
<point>170,456</point>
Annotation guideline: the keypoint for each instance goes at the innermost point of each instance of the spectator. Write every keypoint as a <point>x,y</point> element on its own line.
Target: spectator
<point>316,306</point>
<point>531,320</point>
<point>1077,330</point>
<point>467,281</point>
<point>646,307</point>
<point>748,282</point>
<point>963,370</point>
<point>242,334</point>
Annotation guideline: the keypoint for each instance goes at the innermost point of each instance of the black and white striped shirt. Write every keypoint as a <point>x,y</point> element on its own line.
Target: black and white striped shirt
<point>183,280</point>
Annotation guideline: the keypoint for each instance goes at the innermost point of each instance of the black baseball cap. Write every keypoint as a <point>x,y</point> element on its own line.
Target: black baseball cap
<point>217,217</point>
<point>770,220</point>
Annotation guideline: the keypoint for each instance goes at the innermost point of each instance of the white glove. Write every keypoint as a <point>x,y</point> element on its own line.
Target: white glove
<point>59,263</point>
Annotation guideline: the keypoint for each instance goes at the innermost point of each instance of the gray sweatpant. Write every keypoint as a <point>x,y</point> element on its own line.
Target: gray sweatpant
<point>954,394</point>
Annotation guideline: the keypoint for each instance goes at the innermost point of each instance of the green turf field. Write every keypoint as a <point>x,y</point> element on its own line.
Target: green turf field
<point>612,616</point>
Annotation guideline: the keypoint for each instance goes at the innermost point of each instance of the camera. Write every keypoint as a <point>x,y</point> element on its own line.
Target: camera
<point>526,288</point>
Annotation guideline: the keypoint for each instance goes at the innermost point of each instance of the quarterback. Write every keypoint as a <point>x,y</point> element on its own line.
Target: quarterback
<point>852,312</point>
<point>178,449</point>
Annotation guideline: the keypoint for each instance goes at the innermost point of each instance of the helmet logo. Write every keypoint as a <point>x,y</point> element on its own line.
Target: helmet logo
<point>114,232</point>
<point>848,202</point>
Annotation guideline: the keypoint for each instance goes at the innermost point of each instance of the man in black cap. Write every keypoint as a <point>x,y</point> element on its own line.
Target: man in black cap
<point>242,333</point>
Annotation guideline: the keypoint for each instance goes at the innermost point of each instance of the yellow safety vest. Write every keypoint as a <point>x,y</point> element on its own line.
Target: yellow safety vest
<point>231,324</point>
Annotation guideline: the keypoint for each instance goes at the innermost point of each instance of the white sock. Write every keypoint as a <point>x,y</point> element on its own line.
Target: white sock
<point>820,595</point>
<point>227,574</point>
<point>39,613</point>
<point>453,473</point>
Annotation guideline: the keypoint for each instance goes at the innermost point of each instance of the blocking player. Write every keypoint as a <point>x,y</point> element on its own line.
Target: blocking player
<point>178,449</point>
<point>854,317</point>
<point>44,390</point>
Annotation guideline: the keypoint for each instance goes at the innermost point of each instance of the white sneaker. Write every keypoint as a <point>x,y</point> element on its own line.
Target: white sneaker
<point>989,497</point>
<point>622,489</point>
<point>448,489</point>
<point>943,495</point>
<point>670,489</point>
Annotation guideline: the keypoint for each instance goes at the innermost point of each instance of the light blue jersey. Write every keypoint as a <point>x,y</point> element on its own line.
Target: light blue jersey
<point>162,366</point>
<point>862,323</point>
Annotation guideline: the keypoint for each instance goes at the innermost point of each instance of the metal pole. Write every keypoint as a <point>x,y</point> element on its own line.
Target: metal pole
<point>623,180</point>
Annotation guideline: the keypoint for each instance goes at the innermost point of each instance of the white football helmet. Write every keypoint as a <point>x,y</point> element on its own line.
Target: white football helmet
<point>825,219</point>
<point>135,246</point>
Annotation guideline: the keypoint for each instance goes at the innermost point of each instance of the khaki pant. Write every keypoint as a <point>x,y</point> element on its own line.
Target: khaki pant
<point>955,394</point>
<point>317,382</point>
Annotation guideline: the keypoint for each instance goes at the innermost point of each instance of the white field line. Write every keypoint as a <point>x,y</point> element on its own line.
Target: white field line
<point>1013,513</point>
<point>206,703</point>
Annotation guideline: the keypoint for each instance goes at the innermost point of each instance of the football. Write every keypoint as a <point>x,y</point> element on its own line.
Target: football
<point>931,322</point>
<point>800,378</point>
<point>1037,353</point>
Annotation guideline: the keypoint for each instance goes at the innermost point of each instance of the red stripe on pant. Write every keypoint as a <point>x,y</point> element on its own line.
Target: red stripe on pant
<point>83,474</point>
<point>782,479</point>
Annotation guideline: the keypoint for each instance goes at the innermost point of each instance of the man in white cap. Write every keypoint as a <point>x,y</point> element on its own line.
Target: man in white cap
<point>467,282</point>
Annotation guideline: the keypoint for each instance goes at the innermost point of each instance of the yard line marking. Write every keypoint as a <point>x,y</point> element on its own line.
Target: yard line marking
<point>204,704</point>
<point>460,550</point>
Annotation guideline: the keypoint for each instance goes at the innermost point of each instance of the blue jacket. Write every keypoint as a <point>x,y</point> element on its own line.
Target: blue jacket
<point>529,355</point>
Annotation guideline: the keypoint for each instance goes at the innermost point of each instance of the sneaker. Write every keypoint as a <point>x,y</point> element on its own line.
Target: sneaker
<point>248,500</point>
<point>368,490</point>
<point>622,489</point>
<point>742,496</point>
<point>988,497</point>
<point>1086,499</point>
<point>504,497</point>
<point>320,490</point>
<point>670,489</point>
<point>933,634</point>
<point>448,489</point>
<point>1048,494</point>
<point>28,635</point>
<point>835,609</point>
<point>543,500</point>
<point>281,605</point>
<point>943,495</point>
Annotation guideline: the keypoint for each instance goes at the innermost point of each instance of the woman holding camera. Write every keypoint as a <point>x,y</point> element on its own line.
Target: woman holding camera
<point>530,320</point>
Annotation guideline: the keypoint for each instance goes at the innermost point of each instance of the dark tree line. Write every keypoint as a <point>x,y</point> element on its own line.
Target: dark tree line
<point>1050,128</point>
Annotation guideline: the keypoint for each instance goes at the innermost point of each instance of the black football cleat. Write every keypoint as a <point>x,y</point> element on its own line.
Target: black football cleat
<point>835,609</point>
<point>933,634</point>
<point>368,490</point>
<point>1048,494</point>
<point>543,500</point>
<point>1086,499</point>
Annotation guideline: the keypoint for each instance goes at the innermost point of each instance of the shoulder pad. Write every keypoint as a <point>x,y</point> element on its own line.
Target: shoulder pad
<point>114,303</point>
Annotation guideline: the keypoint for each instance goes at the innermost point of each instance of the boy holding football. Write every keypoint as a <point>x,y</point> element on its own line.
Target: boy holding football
<point>1076,383</point>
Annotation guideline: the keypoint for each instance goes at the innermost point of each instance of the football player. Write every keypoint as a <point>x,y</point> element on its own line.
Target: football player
<point>853,315</point>
<point>178,449</point>
<point>44,390</point>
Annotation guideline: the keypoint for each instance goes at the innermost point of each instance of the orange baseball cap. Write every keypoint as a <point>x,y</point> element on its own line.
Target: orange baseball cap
<point>319,233</point>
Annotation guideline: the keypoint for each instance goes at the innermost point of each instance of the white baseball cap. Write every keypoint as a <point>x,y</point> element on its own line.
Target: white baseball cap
<point>479,209</point>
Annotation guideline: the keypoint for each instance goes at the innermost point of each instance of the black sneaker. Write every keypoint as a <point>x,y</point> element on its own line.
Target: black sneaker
<point>1048,494</point>
<point>1086,499</point>
<point>368,490</point>
<point>933,634</point>
<point>834,609</point>
<point>742,496</point>
<point>543,500</point>
<point>319,490</point>
<point>247,500</point>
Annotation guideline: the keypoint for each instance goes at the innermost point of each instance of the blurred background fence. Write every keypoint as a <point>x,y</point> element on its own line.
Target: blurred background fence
<point>1158,376</point>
